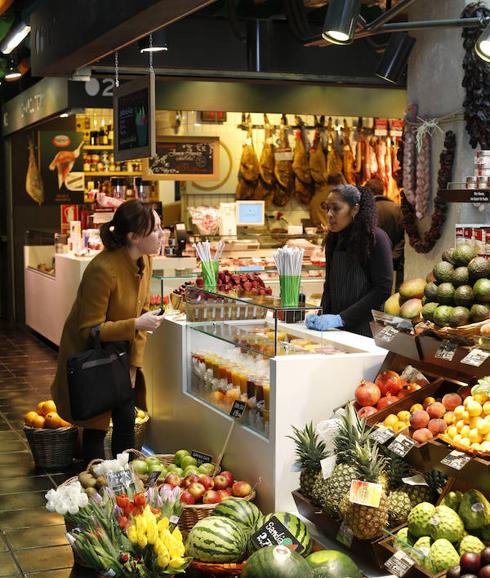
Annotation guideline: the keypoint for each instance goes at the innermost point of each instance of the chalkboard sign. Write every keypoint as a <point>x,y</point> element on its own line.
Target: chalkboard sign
<point>134,119</point>
<point>184,158</point>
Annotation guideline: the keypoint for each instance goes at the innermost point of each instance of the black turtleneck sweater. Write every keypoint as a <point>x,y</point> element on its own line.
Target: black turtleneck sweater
<point>352,290</point>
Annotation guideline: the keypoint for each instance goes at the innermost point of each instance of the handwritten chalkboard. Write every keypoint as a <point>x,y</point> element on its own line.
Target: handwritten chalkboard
<point>184,158</point>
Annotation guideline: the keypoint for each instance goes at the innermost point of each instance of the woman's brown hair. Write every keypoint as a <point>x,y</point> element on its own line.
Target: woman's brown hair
<point>130,217</point>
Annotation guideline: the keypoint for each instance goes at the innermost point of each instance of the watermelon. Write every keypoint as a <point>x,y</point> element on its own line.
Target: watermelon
<point>240,511</point>
<point>332,564</point>
<point>296,527</point>
<point>276,562</point>
<point>217,539</point>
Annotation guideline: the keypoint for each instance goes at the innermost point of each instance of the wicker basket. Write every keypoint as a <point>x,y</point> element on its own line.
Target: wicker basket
<point>52,448</point>
<point>464,334</point>
<point>224,570</point>
<point>140,430</point>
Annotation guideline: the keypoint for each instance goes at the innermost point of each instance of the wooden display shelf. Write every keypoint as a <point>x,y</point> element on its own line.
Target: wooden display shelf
<point>465,195</point>
<point>98,148</point>
<point>115,174</point>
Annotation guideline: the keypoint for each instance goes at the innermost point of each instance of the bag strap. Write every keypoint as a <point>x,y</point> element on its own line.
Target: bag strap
<point>95,334</point>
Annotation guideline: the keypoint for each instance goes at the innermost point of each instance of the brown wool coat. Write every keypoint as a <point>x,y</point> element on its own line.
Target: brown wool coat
<point>114,291</point>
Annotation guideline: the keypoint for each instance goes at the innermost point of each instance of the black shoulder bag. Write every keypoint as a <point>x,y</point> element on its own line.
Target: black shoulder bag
<point>98,379</point>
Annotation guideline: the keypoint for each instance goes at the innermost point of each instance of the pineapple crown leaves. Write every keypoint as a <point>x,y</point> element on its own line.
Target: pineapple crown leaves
<point>371,464</point>
<point>310,450</point>
<point>352,431</point>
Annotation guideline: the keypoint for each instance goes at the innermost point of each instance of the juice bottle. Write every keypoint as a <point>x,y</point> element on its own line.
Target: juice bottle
<point>266,388</point>
<point>243,384</point>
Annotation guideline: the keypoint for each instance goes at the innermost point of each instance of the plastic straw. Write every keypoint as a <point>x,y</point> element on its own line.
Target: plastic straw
<point>289,263</point>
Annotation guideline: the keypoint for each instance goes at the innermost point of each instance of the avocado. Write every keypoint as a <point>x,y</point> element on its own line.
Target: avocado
<point>445,293</point>
<point>478,268</point>
<point>463,254</point>
<point>428,310</point>
<point>448,255</point>
<point>479,312</point>
<point>431,291</point>
<point>460,276</point>
<point>481,290</point>
<point>459,316</point>
<point>443,272</point>
<point>442,315</point>
<point>464,296</point>
<point>474,510</point>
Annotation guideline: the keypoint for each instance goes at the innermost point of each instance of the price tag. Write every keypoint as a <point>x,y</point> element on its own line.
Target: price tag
<point>283,155</point>
<point>153,478</point>
<point>345,535</point>
<point>275,533</point>
<point>456,460</point>
<point>174,519</point>
<point>387,333</point>
<point>328,465</point>
<point>417,480</point>
<point>446,350</point>
<point>201,458</point>
<point>476,357</point>
<point>399,564</point>
<point>401,445</point>
<point>381,434</point>
<point>365,493</point>
<point>119,482</point>
<point>237,409</point>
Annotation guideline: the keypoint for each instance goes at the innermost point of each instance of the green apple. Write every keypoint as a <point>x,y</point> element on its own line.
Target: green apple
<point>188,461</point>
<point>179,472</point>
<point>153,460</point>
<point>179,455</point>
<point>207,469</point>
<point>155,468</point>
<point>172,467</point>
<point>140,467</point>
<point>191,470</point>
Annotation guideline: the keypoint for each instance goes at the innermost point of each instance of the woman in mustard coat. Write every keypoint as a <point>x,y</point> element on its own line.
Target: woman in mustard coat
<point>113,294</point>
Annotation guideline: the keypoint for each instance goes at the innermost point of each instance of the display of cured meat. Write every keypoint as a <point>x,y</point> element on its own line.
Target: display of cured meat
<point>423,185</point>
<point>334,160</point>
<point>34,183</point>
<point>303,183</point>
<point>283,167</point>
<point>266,184</point>
<point>348,156</point>
<point>248,173</point>
<point>409,164</point>
<point>318,164</point>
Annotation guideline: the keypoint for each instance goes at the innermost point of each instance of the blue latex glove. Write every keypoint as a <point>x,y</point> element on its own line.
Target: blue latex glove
<point>324,322</point>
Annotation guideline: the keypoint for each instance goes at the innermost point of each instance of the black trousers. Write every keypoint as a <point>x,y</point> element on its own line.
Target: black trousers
<point>122,434</point>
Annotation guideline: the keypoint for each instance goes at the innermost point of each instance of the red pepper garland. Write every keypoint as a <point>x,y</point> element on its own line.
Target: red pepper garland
<point>424,243</point>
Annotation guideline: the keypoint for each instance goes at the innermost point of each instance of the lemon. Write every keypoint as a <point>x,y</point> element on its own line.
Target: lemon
<point>465,442</point>
<point>485,446</point>
<point>452,431</point>
<point>400,425</point>
<point>465,431</point>
<point>476,447</point>
<point>486,408</point>
<point>415,407</point>
<point>481,397</point>
<point>474,436</point>
<point>474,409</point>
<point>390,421</point>
<point>466,416</point>
<point>403,415</point>
<point>457,438</point>
<point>483,426</point>
<point>449,417</point>
<point>460,425</point>
<point>458,412</point>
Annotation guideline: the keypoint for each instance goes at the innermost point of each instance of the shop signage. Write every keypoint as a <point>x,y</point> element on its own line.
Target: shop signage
<point>387,333</point>
<point>61,166</point>
<point>184,158</point>
<point>275,533</point>
<point>399,564</point>
<point>201,458</point>
<point>401,445</point>
<point>456,460</point>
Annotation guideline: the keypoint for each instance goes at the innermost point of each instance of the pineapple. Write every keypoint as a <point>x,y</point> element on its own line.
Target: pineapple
<point>399,506</point>
<point>397,469</point>
<point>418,494</point>
<point>310,451</point>
<point>436,480</point>
<point>367,522</point>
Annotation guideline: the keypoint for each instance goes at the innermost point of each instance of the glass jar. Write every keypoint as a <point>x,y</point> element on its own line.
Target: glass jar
<point>118,188</point>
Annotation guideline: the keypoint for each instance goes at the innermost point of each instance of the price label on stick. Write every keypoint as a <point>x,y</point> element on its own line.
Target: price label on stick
<point>237,409</point>
<point>201,458</point>
<point>119,482</point>
<point>399,564</point>
<point>275,533</point>
<point>446,350</point>
<point>365,493</point>
<point>456,460</point>
<point>401,445</point>
<point>381,434</point>
<point>476,357</point>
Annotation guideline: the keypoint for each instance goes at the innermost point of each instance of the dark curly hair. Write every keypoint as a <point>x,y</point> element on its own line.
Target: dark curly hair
<point>131,217</point>
<point>362,234</point>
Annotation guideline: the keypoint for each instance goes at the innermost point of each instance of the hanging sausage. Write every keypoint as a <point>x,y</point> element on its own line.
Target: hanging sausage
<point>283,168</point>
<point>303,183</point>
<point>248,173</point>
<point>266,183</point>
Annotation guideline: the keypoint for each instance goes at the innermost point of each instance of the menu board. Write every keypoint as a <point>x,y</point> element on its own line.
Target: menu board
<point>184,158</point>
<point>134,119</point>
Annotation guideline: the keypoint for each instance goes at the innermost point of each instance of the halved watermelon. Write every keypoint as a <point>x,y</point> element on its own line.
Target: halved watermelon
<point>276,562</point>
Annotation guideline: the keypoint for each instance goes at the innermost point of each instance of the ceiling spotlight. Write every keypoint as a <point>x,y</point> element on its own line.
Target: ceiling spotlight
<point>482,46</point>
<point>395,57</point>
<point>156,42</point>
<point>14,37</point>
<point>12,73</point>
<point>341,21</point>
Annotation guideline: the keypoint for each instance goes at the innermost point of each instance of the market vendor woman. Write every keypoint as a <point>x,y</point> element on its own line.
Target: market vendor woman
<point>359,269</point>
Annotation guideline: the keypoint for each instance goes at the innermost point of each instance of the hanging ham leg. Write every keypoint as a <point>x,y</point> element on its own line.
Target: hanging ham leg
<point>248,173</point>
<point>318,165</point>
<point>334,160</point>
<point>348,156</point>
<point>266,183</point>
<point>303,183</point>
<point>283,168</point>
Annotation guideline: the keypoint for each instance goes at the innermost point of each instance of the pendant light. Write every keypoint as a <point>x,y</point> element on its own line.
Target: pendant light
<point>395,57</point>
<point>482,46</point>
<point>12,72</point>
<point>155,42</point>
<point>341,21</point>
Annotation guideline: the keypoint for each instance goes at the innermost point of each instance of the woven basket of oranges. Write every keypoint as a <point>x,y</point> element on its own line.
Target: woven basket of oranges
<point>52,440</point>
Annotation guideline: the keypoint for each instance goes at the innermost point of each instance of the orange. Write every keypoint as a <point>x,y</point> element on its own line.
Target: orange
<point>29,417</point>
<point>486,408</point>
<point>65,423</point>
<point>217,396</point>
<point>233,394</point>
<point>38,421</point>
<point>416,406</point>
<point>52,420</point>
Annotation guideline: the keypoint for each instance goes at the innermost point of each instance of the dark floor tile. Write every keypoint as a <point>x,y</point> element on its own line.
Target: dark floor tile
<point>33,538</point>
<point>16,485</point>
<point>7,565</point>
<point>23,501</point>
<point>64,573</point>
<point>20,470</point>
<point>43,559</point>
<point>4,426</point>
<point>30,518</point>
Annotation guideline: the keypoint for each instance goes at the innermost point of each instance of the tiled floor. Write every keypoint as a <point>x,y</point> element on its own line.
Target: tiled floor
<point>32,540</point>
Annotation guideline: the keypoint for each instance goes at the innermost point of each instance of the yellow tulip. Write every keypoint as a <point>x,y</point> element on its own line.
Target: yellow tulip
<point>132,534</point>
<point>163,524</point>
<point>163,561</point>
<point>142,541</point>
<point>176,563</point>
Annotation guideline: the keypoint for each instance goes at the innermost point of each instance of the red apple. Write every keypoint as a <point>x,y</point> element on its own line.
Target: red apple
<point>188,480</point>
<point>173,480</point>
<point>220,482</point>
<point>367,393</point>
<point>229,476</point>
<point>206,481</point>
<point>187,498</point>
<point>223,494</point>
<point>211,497</point>
<point>197,490</point>
<point>366,411</point>
<point>241,489</point>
